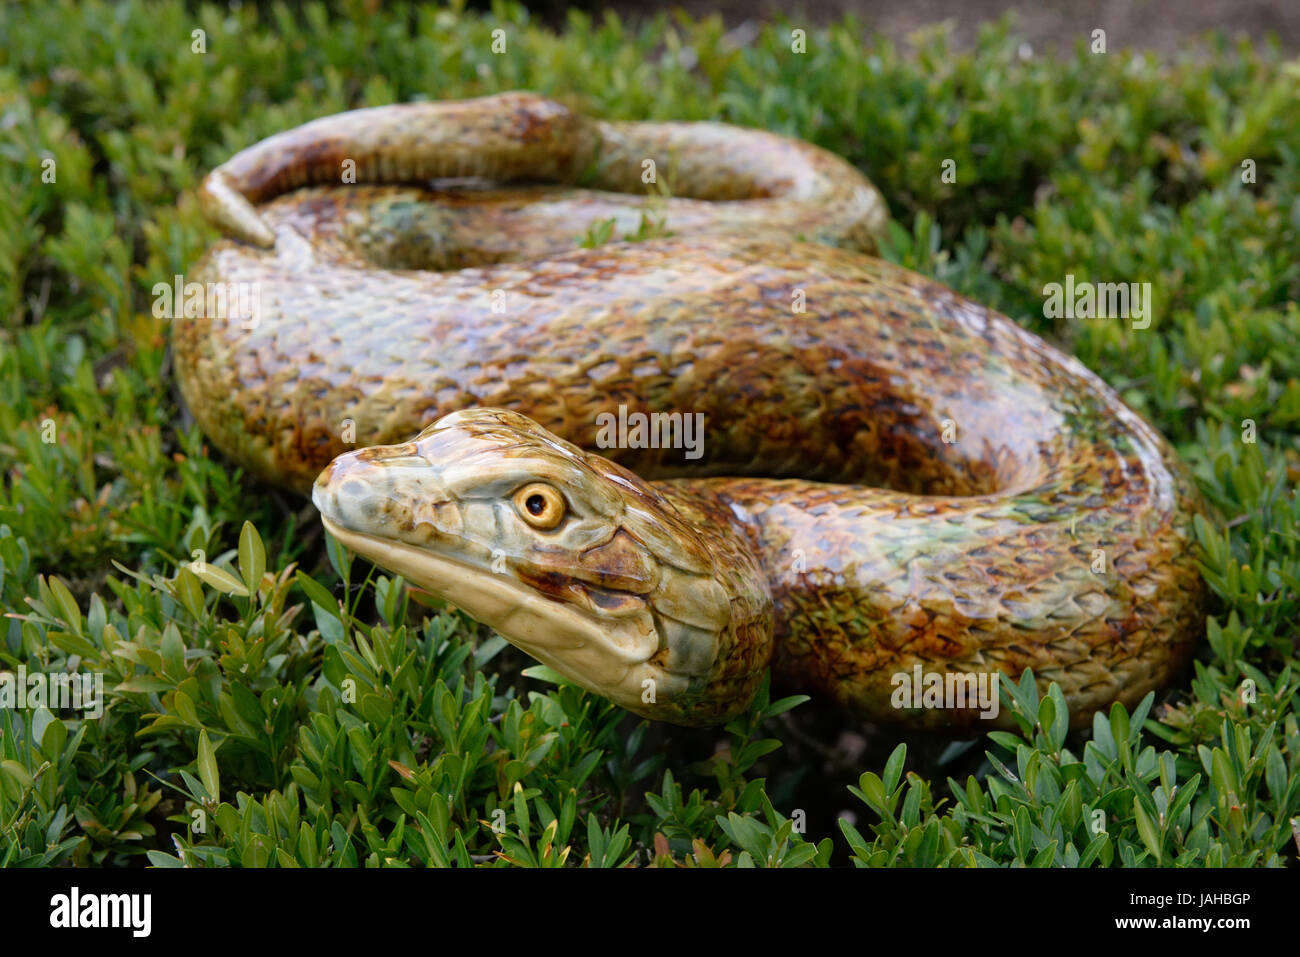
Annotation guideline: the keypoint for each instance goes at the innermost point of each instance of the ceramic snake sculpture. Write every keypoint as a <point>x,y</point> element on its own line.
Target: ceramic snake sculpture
<point>887,477</point>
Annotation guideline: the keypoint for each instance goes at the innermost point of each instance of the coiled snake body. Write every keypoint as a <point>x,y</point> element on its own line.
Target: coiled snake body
<point>889,479</point>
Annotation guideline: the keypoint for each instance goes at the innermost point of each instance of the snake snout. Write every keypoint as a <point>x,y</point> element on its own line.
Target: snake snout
<point>361,490</point>
<point>348,500</point>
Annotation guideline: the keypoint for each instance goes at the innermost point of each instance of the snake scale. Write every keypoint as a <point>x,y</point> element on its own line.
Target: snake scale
<point>888,479</point>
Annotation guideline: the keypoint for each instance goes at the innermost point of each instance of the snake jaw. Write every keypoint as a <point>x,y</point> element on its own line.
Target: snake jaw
<point>610,660</point>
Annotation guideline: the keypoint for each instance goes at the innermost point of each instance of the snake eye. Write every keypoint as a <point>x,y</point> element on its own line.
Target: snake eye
<point>541,506</point>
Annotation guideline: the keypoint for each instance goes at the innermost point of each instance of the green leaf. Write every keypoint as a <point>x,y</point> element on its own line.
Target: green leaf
<point>74,644</point>
<point>894,767</point>
<point>172,650</point>
<point>1148,831</point>
<point>784,705</point>
<point>67,604</point>
<point>544,673</point>
<point>52,737</point>
<point>185,709</point>
<point>219,578</point>
<point>189,591</point>
<point>208,772</point>
<point>143,684</point>
<point>41,720</point>
<point>319,595</point>
<point>1094,849</point>
<point>1119,725</point>
<point>872,791</point>
<point>14,780</point>
<point>252,558</point>
<point>1060,720</point>
<point>1024,844</point>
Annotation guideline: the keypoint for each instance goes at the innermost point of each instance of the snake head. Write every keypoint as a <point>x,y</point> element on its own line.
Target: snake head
<point>569,556</point>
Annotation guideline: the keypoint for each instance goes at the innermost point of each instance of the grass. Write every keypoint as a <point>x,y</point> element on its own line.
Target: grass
<point>287,707</point>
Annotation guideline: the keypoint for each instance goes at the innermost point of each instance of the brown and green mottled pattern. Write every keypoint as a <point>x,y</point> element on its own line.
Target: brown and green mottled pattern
<point>906,477</point>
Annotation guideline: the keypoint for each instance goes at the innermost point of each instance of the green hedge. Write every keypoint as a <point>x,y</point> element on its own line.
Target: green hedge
<point>226,737</point>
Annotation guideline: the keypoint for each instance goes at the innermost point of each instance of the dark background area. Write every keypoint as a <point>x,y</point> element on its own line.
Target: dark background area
<point>1159,25</point>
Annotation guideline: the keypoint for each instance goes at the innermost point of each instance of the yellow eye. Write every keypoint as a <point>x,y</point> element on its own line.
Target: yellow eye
<point>540,505</point>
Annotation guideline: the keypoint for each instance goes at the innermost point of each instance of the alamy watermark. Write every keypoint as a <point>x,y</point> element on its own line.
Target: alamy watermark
<point>214,300</point>
<point>74,909</point>
<point>655,430</point>
<point>1093,300</point>
<point>79,692</point>
<point>946,690</point>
